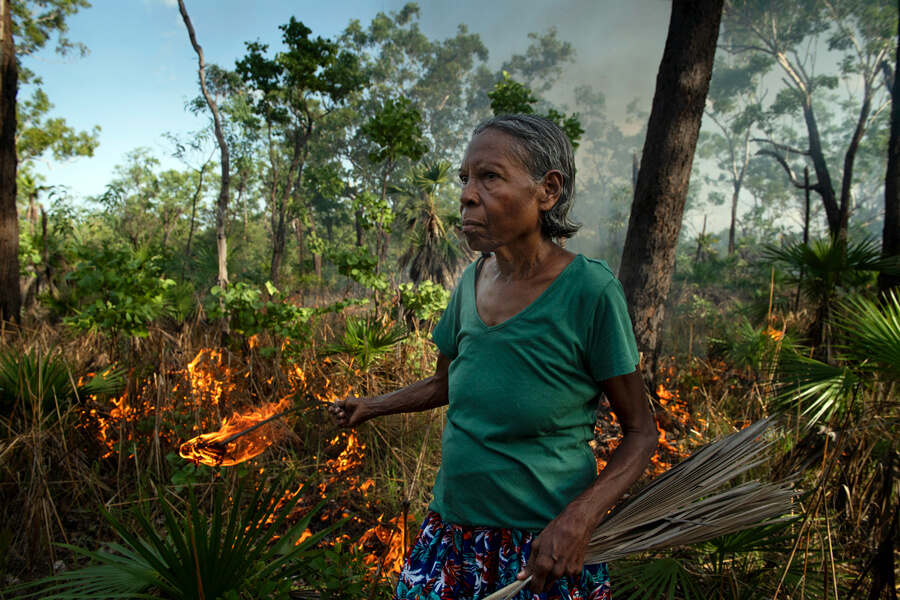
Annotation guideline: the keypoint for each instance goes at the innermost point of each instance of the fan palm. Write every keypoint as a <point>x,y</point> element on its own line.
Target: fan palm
<point>870,353</point>
<point>823,268</point>
<point>434,252</point>
<point>229,554</point>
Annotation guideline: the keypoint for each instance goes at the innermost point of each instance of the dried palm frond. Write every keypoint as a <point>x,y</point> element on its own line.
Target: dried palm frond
<point>690,502</point>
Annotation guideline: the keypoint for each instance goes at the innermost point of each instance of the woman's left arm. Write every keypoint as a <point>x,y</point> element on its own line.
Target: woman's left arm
<point>560,548</point>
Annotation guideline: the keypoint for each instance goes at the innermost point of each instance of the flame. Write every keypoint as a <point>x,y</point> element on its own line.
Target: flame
<point>208,377</point>
<point>212,448</point>
<point>387,543</point>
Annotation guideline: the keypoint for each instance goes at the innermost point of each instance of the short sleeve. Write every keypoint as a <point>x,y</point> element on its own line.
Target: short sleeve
<point>445,332</point>
<point>611,344</point>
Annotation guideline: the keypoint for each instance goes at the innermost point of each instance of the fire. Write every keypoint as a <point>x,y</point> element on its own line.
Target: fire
<point>206,376</point>
<point>393,536</point>
<point>225,448</point>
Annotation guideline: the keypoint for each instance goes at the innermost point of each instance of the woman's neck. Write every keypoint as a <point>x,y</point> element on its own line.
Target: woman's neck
<point>527,263</point>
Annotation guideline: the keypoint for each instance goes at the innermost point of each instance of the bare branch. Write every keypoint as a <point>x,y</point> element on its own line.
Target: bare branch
<point>785,147</point>
<point>783,162</point>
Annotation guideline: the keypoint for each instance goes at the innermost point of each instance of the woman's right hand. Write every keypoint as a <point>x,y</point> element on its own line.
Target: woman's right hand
<point>350,412</point>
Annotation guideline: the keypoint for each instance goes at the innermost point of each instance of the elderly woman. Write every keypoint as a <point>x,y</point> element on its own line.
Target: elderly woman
<point>532,337</point>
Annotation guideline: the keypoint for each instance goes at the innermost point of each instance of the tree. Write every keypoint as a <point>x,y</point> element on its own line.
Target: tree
<point>224,181</point>
<point>395,131</point>
<point>890,245</point>
<point>298,88</point>
<point>786,33</point>
<point>662,184</point>
<point>512,97</point>
<point>33,24</point>
<point>434,252</point>
<point>734,108</point>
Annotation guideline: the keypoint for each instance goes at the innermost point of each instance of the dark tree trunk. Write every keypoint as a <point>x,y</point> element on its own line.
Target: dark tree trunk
<point>10,293</point>
<point>222,203</point>
<point>890,244</point>
<point>662,184</point>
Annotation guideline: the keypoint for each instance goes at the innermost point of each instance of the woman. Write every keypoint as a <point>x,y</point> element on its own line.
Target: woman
<point>530,339</point>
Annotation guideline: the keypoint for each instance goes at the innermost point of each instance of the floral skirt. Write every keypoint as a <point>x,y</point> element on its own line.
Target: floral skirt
<point>468,563</point>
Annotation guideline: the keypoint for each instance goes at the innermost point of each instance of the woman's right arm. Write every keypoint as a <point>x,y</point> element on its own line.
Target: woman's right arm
<point>422,395</point>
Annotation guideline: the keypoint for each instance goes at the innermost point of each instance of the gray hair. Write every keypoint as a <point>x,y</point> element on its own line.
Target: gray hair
<point>542,146</point>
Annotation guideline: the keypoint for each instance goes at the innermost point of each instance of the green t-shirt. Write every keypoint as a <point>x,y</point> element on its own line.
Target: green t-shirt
<point>523,395</point>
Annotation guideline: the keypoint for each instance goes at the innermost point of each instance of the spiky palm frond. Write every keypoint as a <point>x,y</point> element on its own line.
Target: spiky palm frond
<point>659,578</point>
<point>366,340</point>
<point>816,390</point>
<point>821,391</point>
<point>823,266</point>
<point>37,382</point>
<point>199,556</point>
<point>872,330</point>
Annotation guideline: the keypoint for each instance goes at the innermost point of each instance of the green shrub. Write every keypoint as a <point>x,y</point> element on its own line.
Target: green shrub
<point>119,291</point>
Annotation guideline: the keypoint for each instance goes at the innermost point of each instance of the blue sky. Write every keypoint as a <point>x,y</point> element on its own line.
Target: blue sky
<point>141,68</point>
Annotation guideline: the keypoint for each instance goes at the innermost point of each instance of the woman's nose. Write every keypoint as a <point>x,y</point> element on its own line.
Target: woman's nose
<point>468,196</point>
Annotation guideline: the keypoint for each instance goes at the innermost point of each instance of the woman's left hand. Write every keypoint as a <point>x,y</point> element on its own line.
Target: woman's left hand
<point>559,549</point>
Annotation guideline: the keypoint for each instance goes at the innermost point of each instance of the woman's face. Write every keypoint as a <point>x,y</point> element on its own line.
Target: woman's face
<point>500,203</point>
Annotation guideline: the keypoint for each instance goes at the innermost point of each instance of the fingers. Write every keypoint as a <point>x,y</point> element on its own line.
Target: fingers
<point>545,567</point>
<point>338,413</point>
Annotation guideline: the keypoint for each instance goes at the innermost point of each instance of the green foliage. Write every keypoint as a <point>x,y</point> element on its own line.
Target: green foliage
<point>747,346</point>
<point>360,266</point>
<point>119,291</point>
<point>249,313</point>
<point>37,383</point>
<point>229,553</point>
<point>373,212</point>
<point>870,353</point>
<point>434,252</point>
<point>341,572</point>
<point>740,566</point>
<point>395,129</point>
<point>827,269</point>
<point>366,340</point>
<point>426,300</point>
<point>511,97</point>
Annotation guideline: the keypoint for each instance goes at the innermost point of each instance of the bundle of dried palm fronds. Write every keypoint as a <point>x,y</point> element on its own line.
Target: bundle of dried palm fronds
<point>690,502</point>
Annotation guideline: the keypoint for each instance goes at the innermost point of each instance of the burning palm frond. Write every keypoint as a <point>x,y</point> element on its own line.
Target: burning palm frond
<point>690,503</point>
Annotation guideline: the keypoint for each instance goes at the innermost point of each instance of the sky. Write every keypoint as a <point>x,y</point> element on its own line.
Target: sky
<point>141,68</point>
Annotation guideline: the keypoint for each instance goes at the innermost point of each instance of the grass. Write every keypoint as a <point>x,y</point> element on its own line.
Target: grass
<point>87,451</point>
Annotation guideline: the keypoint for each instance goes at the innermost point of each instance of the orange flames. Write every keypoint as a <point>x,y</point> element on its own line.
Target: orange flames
<point>224,448</point>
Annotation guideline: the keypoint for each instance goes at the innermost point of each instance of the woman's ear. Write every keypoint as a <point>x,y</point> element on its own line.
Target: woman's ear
<point>552,185</point>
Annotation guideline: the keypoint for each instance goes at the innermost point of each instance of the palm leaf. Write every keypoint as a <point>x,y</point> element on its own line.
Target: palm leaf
<point>196,557</point>
<point>691,503</point>
<point>873,332</point>
<point>654,579</point>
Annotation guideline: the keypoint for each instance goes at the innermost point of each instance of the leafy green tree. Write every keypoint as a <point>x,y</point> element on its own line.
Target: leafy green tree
<point>25,28</point>
<point>295,90</point>
<point>148,207</point>
<point>395,131</point>
<point>511,97</point>
<point>862,33</point>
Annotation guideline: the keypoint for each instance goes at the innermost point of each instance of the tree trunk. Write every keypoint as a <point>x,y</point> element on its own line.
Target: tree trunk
<point>222,202</point>
<point>662,184</point>
<point>10,293</point>
<point>890,242</point>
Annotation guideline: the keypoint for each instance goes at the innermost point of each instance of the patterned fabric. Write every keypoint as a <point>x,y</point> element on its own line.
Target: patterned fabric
<point>461,562</point>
